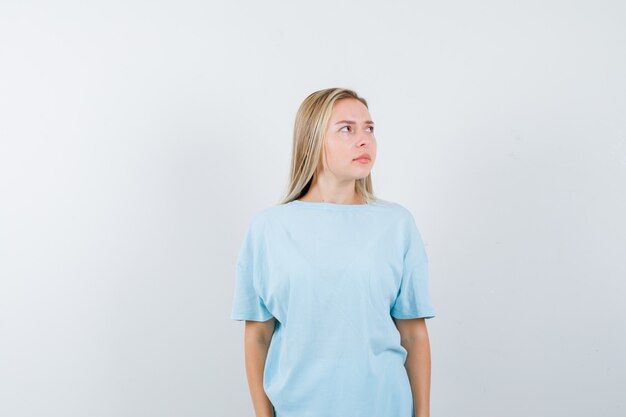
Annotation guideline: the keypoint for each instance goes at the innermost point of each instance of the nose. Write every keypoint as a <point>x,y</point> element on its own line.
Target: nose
<point>364,139</point>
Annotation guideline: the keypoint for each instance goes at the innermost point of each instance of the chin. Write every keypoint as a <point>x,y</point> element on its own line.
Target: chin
<point>361,176</point>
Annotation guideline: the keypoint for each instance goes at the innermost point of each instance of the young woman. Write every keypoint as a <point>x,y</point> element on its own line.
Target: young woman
<point>333,281</point>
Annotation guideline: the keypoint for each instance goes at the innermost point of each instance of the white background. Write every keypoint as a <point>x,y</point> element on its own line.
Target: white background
<point>137,139</point>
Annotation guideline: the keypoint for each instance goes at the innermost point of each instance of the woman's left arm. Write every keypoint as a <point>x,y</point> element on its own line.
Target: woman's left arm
<point>414,338</point>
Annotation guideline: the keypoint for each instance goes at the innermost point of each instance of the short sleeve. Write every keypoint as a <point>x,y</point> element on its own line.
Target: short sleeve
<point>247,303</point>
<point>413,298</point>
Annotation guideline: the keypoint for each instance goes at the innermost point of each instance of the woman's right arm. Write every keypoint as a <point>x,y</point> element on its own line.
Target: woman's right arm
<point>258,335</point>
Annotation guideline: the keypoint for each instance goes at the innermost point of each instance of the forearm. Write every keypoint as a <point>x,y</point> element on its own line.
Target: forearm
<point>418,369</point>
<point>256,355</point>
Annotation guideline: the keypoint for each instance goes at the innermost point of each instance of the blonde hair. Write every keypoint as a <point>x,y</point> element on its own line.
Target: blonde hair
<point>308,139</point>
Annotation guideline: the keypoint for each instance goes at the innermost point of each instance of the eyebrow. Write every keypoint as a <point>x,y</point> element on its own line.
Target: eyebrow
<point>350,122</point>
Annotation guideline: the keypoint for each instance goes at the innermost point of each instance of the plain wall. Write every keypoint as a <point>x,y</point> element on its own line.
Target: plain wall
<point>137,139</point>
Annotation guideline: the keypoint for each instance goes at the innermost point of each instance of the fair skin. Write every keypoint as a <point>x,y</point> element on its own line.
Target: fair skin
<point>257,338</point>
<point>349,134</point>
<point>414,338</point>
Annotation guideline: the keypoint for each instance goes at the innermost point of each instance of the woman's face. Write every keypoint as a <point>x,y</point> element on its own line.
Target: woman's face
<point>349,135</point>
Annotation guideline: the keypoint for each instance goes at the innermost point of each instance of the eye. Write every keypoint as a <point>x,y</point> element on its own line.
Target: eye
<point>345,127</point>
<point>371,128</point>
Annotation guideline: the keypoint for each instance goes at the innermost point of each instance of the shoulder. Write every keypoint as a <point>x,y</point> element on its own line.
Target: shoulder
<point>399,211</point>
<point>266,215</point>
<point>269,213</point>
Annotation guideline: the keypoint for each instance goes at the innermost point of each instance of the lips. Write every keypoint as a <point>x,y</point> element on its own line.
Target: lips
<point>365,157</point>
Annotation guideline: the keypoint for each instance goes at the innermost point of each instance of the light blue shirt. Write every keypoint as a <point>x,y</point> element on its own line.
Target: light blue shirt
<point>333,275</point>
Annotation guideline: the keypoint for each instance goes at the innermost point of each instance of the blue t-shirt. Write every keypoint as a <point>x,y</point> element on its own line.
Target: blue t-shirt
<point>333,275</point>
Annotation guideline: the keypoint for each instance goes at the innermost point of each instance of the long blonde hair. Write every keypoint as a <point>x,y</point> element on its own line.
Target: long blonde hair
<point>308,139</point>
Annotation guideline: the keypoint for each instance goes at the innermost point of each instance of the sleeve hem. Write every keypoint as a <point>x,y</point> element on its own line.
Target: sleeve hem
<point>249,317</point>
<point>412,315</point>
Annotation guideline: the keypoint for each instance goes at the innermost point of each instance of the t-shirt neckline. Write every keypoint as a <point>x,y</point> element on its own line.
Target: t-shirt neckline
<point>336,206</point>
